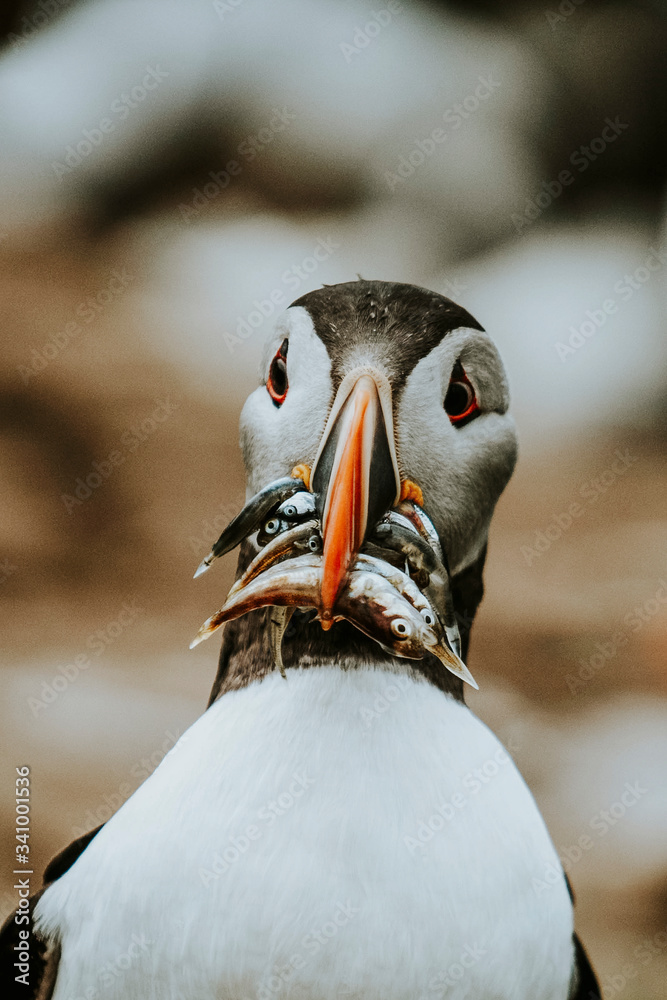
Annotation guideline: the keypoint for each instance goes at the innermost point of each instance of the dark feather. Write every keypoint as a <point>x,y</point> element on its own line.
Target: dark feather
<point>584,982</point>
<point>43,962</point>
<point>403,321</point>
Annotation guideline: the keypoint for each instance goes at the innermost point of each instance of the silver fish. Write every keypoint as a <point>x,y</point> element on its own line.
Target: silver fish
<point>411,592</point>
<point>303,537</point>
<point>368,601</point>
<point>299,505</point>
<point>278,622</point>
<point>294,583</point>
<point>404,539</point>
<point>251,517</point>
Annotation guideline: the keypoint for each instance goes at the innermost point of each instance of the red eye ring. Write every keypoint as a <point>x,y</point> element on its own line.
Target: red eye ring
<point>461,401</point>
<point>277,383</point>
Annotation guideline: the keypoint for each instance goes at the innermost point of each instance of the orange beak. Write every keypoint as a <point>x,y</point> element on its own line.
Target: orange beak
<point>355,476</point>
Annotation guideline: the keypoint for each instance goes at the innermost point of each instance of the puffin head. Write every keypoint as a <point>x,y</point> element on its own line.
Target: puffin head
<point>383,391</point>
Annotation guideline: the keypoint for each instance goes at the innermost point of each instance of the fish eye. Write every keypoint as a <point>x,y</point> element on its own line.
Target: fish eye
<point>427,616</point>
<point>314,543</point>
<point>272,527</point>
<point>297,506</point>
<point>401,628</point>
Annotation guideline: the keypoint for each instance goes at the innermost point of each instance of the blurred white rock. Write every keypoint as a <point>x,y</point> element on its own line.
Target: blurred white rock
<point>211,297</point>
<point>90,101</point>
<point>599,779</point>
<point>114,90</point>
<point>613,790</point>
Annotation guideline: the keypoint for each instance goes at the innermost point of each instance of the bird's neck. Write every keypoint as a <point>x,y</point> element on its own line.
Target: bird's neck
<point>246,654</point>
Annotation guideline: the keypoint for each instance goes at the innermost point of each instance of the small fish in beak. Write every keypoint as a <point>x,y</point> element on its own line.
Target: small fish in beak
<point>393,536</point>
<point>278,622</point>
<point>371,600</point>
<point>357,453</point>
<point>292,584</point>
<point>378,599</point>
<point>376,608</point>
<point>370,603</point>
<point>251,517</point>
<point>298,506</point>
<point>301,538</point>
<point>406,587</point>
<point>416,516</point>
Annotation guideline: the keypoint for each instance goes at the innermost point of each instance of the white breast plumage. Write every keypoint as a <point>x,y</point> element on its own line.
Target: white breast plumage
<point>344,833</point>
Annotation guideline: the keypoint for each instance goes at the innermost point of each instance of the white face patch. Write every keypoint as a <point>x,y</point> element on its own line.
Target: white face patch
<point>275,439</point>
<point>461,470</point>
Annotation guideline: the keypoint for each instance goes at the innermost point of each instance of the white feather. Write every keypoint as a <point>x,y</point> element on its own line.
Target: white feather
<point>275,440</point>
<point>274,853</point>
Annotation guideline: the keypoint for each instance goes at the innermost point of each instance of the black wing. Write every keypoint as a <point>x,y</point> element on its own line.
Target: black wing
<point>584,982</point>
<point>42,963</point>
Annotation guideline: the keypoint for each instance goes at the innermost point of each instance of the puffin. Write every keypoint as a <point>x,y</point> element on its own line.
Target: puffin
<point>343,826</point>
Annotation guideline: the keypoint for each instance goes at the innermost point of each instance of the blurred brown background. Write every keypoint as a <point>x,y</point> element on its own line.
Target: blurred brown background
<point>168,167</point>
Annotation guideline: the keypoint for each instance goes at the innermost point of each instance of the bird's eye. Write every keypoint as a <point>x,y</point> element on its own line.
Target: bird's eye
<point>277,383</point>
<point>401,628</point>
<point>460,402</point>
